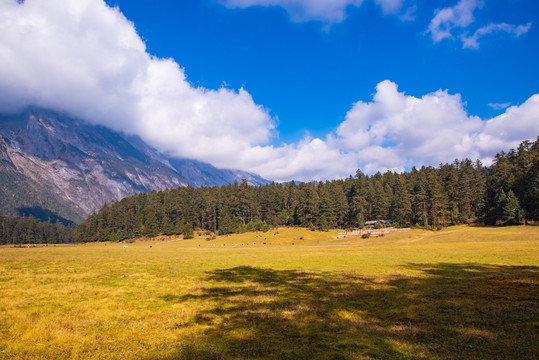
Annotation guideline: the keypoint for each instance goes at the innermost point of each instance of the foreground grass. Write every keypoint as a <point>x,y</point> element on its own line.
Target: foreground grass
<point>461,293</point>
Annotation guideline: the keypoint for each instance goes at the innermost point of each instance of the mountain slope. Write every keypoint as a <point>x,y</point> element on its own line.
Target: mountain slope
<point>203,174</point>
<point>53,162</point>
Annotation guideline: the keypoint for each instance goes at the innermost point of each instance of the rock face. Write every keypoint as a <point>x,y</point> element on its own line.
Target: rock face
<point>68,168</point>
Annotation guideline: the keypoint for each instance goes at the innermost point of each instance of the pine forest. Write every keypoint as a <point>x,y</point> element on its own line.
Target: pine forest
<point>464,191</point>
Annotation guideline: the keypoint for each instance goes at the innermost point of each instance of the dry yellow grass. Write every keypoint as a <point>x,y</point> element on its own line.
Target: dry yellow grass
<point>465,292</point>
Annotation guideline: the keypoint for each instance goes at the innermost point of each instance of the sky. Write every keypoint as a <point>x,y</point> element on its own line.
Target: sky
<point>287,89</point>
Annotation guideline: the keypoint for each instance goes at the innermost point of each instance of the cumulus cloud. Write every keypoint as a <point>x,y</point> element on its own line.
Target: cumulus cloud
<point>395,130</point>
<point>333,11</point>
<point>309,159</point>
<point>412,130</point>
<point>505,131</point>
<point>456,20</point>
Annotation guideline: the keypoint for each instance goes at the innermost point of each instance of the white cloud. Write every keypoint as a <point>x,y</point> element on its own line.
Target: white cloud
<point>472,41</point>
<point>333,11</point>
<point>456,20</point>
<point>390,6</point>
<point>424,130</point>
<point>307,160</point>
<point>507,130</point>
<point>449,18</point>
<point>303,10</point>
<point>396,130</point>
<point>409,13</point>
<point>499,106</point>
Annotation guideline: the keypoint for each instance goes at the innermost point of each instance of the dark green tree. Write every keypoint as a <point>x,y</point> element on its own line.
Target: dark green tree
<point>151,226</point>
<point>509,208</point>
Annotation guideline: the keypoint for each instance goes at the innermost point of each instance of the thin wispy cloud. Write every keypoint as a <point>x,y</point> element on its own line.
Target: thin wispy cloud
<point>499,106</point>
<point>458,21</point>
<point>329,12</point>
<point>472,42</point>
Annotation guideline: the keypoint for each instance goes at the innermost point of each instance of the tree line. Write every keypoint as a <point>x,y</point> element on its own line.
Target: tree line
<point>21,230</point>
<point>463,191</point>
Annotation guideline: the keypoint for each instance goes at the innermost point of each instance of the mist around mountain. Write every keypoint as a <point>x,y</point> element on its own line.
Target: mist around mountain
<point>61,169</point>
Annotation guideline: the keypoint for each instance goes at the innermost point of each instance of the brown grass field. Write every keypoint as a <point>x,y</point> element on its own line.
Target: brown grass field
<point>460,293</point>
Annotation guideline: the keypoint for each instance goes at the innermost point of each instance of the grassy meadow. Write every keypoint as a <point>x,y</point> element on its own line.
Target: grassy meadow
<point>460,293</point>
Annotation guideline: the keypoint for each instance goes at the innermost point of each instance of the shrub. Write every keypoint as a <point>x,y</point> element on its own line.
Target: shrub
<point>366,235</point>
<point>188,231</point>
<point>255,226</point>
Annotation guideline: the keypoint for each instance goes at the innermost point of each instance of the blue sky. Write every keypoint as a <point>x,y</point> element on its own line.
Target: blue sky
<point>290,89</point>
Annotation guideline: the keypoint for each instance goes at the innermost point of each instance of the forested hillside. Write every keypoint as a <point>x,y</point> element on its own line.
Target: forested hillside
<point>17,231</point>
<point>432,197</point>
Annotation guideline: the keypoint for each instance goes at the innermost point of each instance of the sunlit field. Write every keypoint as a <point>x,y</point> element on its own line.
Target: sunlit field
<point>461,293</point>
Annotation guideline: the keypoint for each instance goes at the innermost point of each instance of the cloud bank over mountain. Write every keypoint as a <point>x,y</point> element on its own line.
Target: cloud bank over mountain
<point>86,59</point>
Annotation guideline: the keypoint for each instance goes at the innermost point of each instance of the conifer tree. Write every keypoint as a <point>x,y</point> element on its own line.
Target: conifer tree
<point>402,206</point>
<point>151,226</point>
<point>509,209</point>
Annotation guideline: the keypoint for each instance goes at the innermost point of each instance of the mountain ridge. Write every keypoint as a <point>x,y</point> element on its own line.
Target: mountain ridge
<point>72,168</point>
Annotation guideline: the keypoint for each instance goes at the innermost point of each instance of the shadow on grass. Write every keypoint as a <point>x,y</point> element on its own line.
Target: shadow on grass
<point>449,311</point>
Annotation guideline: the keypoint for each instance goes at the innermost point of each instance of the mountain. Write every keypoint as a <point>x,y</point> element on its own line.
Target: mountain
<point>59,168</point>
<point>203,174</point>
